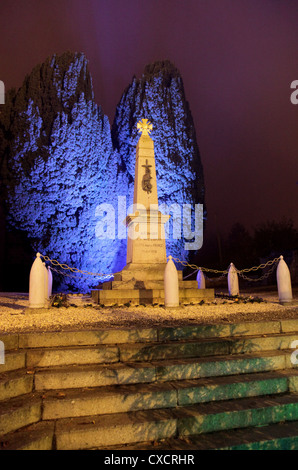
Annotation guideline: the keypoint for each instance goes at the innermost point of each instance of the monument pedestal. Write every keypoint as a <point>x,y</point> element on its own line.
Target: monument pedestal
<point>142,279</point>
<point>149,292</point>
<point>146,237</point>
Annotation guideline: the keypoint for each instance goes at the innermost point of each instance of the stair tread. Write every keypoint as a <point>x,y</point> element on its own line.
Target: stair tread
<point>13,374</point>
<point>71,394</point>
<point>17,403</point>
<point>124,389</point>
<point>163,362</point>
<point>129,334</point>
<point>220,440</point>
<point>162,341</point>
<point>150,351</point>
<point>236,405</point>
<point>169,418</point>
<point>38,436</point>
<point>219,339</point>
<point>93,375</point>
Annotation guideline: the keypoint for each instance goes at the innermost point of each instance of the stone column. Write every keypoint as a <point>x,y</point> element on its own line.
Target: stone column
<point>146,234</point>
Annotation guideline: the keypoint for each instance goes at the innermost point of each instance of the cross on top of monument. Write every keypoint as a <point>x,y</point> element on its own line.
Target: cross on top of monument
<point>144,126</point>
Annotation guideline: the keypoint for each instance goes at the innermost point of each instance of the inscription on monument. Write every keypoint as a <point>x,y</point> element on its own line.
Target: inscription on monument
<point>149,251</point>
<point>149,244</point>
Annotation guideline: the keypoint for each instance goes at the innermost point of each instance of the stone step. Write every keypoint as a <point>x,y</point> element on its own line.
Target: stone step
<point>19,412</point>
<point>38,436</point>
<point>149,296</point>
<point>10,340</point>
<point>204,347</point>
<point>14,360</point>
<point>93,376</point>
<point>134,397</point>
<point>15,383</point>
<point>79,376</point>
<point>148,284</point>
<point>43,357</point>
<point>120,398</point>
<point>141,271</point>
<point>280,436</point>
<point>130,335</point>
<point>86,337</point>
<point>218,366</point>
<point>153,425</point>
<point>140,352</point>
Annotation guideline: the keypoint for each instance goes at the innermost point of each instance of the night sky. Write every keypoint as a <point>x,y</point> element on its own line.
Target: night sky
<point>237,60</point>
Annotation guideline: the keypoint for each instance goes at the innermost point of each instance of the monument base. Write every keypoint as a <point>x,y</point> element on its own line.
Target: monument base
<point>144,284</point>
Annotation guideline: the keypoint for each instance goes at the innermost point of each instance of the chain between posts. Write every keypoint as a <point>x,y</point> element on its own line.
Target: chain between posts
<point>196,268</point>
<point>62,273</point>
<point>265,276</point>
<point>64,266</point>
<point>241,272</point>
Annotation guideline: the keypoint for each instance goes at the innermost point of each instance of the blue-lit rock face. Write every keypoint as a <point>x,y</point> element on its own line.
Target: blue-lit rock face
<point>159,96</point>
<point>61,166</point>
<point>59,163</point>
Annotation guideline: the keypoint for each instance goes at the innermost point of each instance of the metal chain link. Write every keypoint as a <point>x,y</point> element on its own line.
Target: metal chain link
<point>196,268</point>
<point>193,266</point>
<point>265,276</point>
<point>62,273</point>
<point>272,263</point>
<point>261,266</point>
<point>54,262</point>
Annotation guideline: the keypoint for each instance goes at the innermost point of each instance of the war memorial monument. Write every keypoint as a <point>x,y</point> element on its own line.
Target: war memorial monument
<point>142,279</point>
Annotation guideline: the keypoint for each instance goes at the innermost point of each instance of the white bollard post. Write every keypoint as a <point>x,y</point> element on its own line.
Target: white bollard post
<point>171,284</point>
<point>283,277</point>
<point>233,282</point>
<point>37,293</point>
<point>50,282</point>
<point>201,280</point>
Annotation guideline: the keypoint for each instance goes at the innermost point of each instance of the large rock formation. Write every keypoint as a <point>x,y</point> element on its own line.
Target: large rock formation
<point>159,96</point>
<point>59,165</point>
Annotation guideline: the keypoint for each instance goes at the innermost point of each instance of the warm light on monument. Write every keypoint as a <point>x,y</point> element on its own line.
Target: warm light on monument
<point>146,234</point>
<point>142,279</point>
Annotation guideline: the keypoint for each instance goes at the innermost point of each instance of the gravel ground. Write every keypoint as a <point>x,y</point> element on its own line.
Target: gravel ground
<point>15,315</point>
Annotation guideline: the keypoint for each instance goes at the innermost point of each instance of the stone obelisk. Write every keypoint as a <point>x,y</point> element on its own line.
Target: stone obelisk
<point>146,248</point>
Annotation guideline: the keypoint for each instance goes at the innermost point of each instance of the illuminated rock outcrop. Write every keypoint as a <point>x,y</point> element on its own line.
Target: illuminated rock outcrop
<point>59,166</point>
